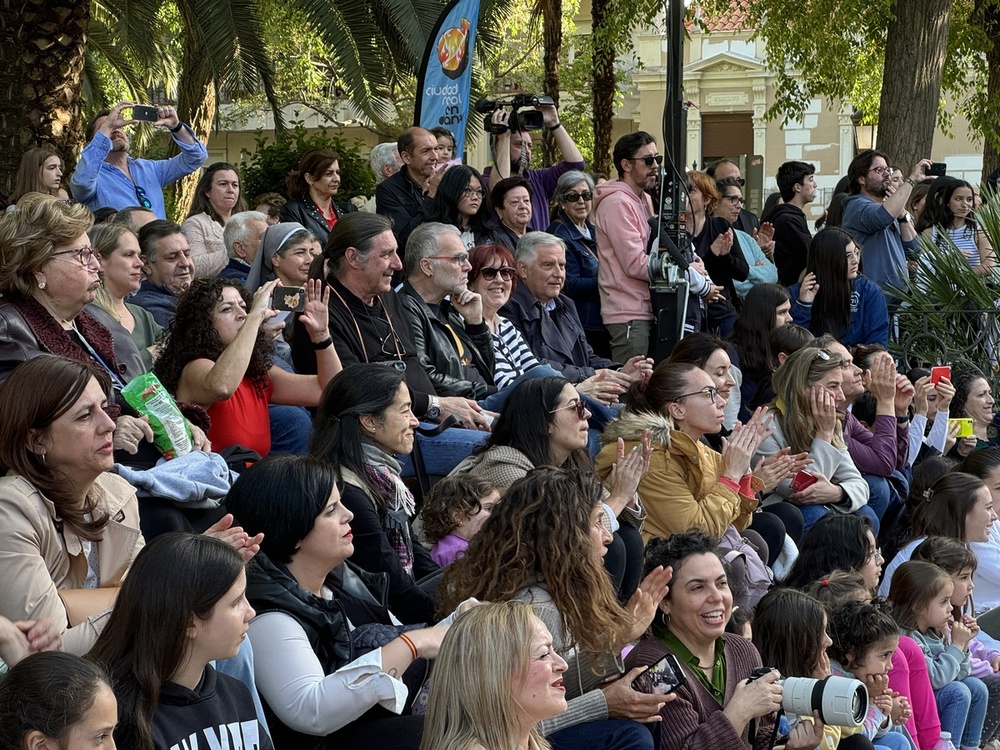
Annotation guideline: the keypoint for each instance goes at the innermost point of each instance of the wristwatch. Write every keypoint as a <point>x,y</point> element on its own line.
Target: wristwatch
<point>434,412</point>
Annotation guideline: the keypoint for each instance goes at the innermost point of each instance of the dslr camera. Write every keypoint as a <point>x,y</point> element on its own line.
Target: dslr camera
<point>841,701</point>
<point>518,121</point>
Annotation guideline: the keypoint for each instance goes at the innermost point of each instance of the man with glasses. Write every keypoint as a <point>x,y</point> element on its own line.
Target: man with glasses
<point>791,233</point>
<point>723,168</point>
<point>870,212</point>
<point>454,344</point>
<point>622,212</point>
<point>106,176</point>
<point>512,155</point>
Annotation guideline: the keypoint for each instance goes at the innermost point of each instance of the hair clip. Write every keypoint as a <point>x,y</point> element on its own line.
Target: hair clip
<point>824,583</point>
<point>823,354</point>
<point>928,494</point>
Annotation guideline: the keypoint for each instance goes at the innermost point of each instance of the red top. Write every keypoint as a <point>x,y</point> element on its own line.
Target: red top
<point>243,419</point>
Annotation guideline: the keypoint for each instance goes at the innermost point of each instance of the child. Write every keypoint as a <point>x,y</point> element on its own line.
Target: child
<point>908,673</point>
<point>920,594</point>
<point>864,640</point>
<point>454,512</point>
<point>958,561</point>
<point>741,622</point>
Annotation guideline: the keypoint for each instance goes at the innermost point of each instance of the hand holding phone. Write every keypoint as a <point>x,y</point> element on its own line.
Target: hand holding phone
<point>145,113</point>
<point>288,298</point>
<point>937,169</point>
<point>941,371</point>
<point>802,480</point>
<point>661,678</point>
<point>966,427</point>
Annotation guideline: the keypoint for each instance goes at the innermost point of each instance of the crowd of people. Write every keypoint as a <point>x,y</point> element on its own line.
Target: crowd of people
<point>310,475</point>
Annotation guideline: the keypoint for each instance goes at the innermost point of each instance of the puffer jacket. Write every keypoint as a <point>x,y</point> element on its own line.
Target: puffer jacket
<point>681,490</point>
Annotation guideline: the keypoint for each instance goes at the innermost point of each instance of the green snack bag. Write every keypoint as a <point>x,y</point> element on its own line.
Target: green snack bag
<point>147,396</point>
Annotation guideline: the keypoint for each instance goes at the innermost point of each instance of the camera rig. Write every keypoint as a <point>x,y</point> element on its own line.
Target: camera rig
<point>518,121</point>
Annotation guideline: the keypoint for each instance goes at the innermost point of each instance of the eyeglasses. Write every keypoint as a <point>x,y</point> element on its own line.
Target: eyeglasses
<point>140,194</point>
<point>580,406</point>
<point>489,273</point>
<point>853,255</point>
<point>470,191</point>
<point>711,392</point>
<point>83,254</point>
<point>735,200</point>
<point>574,197</point>
<point>460,259</point>
<point>876,554</point>
<point>648,160</point>
<point>881,170</point>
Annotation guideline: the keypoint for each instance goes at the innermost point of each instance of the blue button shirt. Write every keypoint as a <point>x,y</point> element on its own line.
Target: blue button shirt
<point>877,232</point>
<point>98,184</point>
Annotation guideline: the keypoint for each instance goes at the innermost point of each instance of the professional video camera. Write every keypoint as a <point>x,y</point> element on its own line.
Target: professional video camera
<point>531,120</point>
<point>841,701</point>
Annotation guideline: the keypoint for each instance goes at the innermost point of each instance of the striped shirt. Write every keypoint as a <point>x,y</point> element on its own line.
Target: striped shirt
<point>513,357</point>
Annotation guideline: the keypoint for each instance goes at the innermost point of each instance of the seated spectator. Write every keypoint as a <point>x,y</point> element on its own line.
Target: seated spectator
<point>948,213</point>
<point>797,187</point>
<point>312,189</point>
<point>548,320</point>
<point>924,475</point>
<point>757,250</point>
<point>70,528</point>
<point>766,307</point>
<point>511,198</point>
<point>363,421</point>
<point>974,400</point>
<point>716,703</point>
<point>327,649</point>
<point>808,388</point>
<point>215,355</point>
<point>40,171</point>
<point>571,223</point>
<point>182,606</point>
<point>168,268</point>
<point>217,197</point>
<point>837,542</point>
<point>453,512</point>
<point>445,144</point>
<point>782,342</point>
<point>286,252</point>
<point>928,435</point>
<point>543,545</point>
<point>242,237</point>
<point>460,200</point>
<point>985,464</point>
<point>688,485</point>
<point>270,205</point>
<point>117,252</point>
<point>106,175</point>
<point>134,217</point>
<point>384,162</point>
<point>545,424</point>
<point>368,324</point>
<point>406,196</point>
<point>501,706</point>
<point>711,354</point>
<point>833,298</point>
<point>55,700</point>
<point>453,341</point>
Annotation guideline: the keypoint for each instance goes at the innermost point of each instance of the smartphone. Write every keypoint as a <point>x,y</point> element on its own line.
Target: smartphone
<point>965,427</point>
<point>802,480</point>
<point>660,678</point>
<point>937,169</point>
<point>144,113</point>
<point>289,298</point>
<point>941,371</point>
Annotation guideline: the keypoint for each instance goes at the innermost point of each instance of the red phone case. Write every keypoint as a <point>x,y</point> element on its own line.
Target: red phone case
<point>942,371</point>
<point>802,480</point>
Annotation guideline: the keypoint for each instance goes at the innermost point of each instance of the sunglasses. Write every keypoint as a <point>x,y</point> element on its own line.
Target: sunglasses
<point>648,160</point>
<point>489,273</point>
<point>140,195</point>
<point>574,197</point>
<point>580,406</point>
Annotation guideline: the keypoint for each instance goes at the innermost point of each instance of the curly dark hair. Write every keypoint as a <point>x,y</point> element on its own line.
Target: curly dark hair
<point>458,494</point>
<point>198,337</point>
<point>855,628</point>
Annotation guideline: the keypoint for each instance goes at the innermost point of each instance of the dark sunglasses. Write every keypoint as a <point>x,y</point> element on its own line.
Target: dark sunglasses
<point>489,273</point>
<point>648,160</point>
<point>140,194</point>
<point>574,197</point>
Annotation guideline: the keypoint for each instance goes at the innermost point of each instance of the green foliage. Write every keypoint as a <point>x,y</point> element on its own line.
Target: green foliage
<point>265,169</point>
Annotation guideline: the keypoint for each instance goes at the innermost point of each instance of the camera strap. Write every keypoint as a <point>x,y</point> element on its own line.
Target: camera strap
<point>752,731</point>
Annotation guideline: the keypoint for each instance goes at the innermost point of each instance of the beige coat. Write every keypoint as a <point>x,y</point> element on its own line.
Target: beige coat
<point>38,557</point>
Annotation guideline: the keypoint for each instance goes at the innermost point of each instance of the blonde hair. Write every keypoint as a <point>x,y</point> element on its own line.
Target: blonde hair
<point>791,382</point>
<point>482,659</point>
<point>29,235</point>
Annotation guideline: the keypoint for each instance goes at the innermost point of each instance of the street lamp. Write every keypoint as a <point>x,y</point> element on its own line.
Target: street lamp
<point>865,134</point>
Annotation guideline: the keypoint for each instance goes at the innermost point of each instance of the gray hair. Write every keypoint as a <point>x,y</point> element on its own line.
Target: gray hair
<point>569,180</point>
<point>383,154</point>
<point>238,227</point>
<point>527,246</point>
<point>424,241</point>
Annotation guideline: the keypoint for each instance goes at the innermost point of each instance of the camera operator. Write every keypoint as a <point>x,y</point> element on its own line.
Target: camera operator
<point>512,155</point>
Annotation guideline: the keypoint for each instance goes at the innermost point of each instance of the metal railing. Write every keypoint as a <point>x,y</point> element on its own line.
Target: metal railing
<point>961,338</point>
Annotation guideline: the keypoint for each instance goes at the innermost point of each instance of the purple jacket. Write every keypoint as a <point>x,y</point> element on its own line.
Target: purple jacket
<point>880,451</point>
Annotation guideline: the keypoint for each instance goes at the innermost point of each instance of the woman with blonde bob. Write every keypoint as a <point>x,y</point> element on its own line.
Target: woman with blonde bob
<point>808,391</point>
<point>471,708</point>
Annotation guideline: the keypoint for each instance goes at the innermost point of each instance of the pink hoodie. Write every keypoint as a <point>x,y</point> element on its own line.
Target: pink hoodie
<point>622,236</point>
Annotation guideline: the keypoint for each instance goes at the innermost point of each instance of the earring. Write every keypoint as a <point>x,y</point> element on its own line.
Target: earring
<point>41,284</point>
<point>42,456</point>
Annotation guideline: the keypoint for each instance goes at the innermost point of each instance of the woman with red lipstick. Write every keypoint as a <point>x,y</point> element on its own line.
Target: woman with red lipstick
<point>543,544</point>
<point>331,662</point>
<point>182,606</point>
<point>499,707</point>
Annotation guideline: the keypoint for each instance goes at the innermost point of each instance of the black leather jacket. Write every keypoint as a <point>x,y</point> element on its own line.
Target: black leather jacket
<point>438,354</point>
<point>304,211</point>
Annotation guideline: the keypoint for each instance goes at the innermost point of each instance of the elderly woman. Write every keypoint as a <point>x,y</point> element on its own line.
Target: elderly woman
<point>217,197</point>
<point>461,201</point>
<point>512,201</point>
<point>501,706</point>
<point>327,648</point>
<point>543,544</point>
<point>217,356</point>
<point>364,421</point>
<point>716,703</point>
<point>286,251</point>
<point>312,188</point>
<point>574,198</point>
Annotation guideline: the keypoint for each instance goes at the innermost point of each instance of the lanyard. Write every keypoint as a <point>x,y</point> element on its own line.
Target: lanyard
<point>357,328</point>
